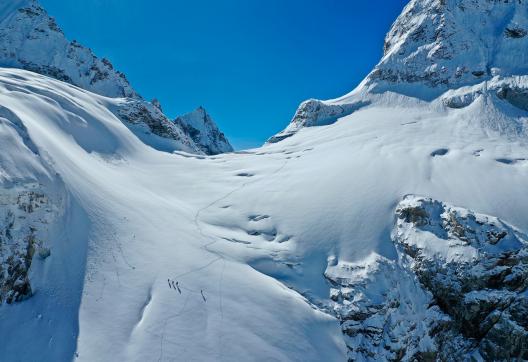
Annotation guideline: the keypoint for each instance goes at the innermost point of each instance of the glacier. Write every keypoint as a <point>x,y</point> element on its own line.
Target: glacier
<point>389,224</point>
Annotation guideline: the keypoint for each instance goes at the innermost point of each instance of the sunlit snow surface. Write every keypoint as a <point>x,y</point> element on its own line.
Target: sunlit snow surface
<point>247,236</point>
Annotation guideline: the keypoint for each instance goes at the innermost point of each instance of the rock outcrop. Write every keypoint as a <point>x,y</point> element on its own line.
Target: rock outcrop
<point>459,289</point>
<point>28,208</point>
<point>25,215</point>
<point>316,113</point>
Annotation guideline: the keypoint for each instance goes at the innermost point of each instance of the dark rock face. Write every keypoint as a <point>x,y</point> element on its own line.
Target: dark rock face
<point>141,113</point>
<point>26,213</point>
<point>479,280</point>
<point>458,291</point>
<point>515,95</point>
<point>515,33</point>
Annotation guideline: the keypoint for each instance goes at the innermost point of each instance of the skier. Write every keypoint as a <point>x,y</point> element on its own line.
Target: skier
<point>203,296</point>
<point>168,280</point>
<point>178,287</point>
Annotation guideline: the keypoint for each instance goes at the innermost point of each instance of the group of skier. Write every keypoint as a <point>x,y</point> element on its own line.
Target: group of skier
<point>176,286</point>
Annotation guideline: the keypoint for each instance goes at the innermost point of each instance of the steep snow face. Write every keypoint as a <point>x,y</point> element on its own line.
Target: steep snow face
<point>204,132</point>
<point>30,39</point>
<point>436,46</point>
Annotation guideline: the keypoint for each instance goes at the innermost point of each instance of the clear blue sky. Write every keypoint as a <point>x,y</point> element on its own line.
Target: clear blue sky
<point>248,62</point>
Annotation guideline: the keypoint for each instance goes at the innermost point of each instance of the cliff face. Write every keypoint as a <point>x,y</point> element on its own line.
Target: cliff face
<point>457,290</point>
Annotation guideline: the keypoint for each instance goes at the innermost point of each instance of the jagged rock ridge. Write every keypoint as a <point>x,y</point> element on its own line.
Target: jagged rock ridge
<point>30,39</point>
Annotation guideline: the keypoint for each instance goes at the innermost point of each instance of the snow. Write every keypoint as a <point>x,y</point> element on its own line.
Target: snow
<point>30,39</point>
<point>141,231</point>
<point>253,230</point>
<point>257,239</point>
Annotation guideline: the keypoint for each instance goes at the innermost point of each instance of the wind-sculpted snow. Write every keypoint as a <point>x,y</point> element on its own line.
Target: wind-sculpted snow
<point>265,247</point>
<point>131,220</point>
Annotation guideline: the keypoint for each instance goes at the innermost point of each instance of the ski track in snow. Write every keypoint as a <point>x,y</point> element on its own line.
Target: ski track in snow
<point>220,257</point>
<point>458,136</point>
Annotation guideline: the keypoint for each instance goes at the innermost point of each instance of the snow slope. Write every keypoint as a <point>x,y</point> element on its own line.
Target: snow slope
<point>126,233</point>
<point>254,231</point>
<point>313,248</point>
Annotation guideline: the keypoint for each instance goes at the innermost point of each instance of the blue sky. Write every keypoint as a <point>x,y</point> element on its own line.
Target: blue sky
<point>248,62</point>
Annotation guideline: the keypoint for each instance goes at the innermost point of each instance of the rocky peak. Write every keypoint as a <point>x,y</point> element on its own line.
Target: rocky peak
<point>452,43</point>
<point>30,39</point>
<point>204,132</point>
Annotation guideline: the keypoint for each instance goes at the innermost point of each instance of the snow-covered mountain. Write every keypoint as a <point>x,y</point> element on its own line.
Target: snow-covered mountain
<point>440,48</point>
<point>204,132</point>
<point>396,231</point>
<point>30,39</point>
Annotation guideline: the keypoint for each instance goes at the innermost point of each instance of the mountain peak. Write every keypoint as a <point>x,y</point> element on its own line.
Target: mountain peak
<point>438,46</point>
<point>204,132</point>
<point>30,39</point>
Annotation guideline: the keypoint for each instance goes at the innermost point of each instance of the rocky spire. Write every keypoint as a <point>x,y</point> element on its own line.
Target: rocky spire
<point>204,132</point>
